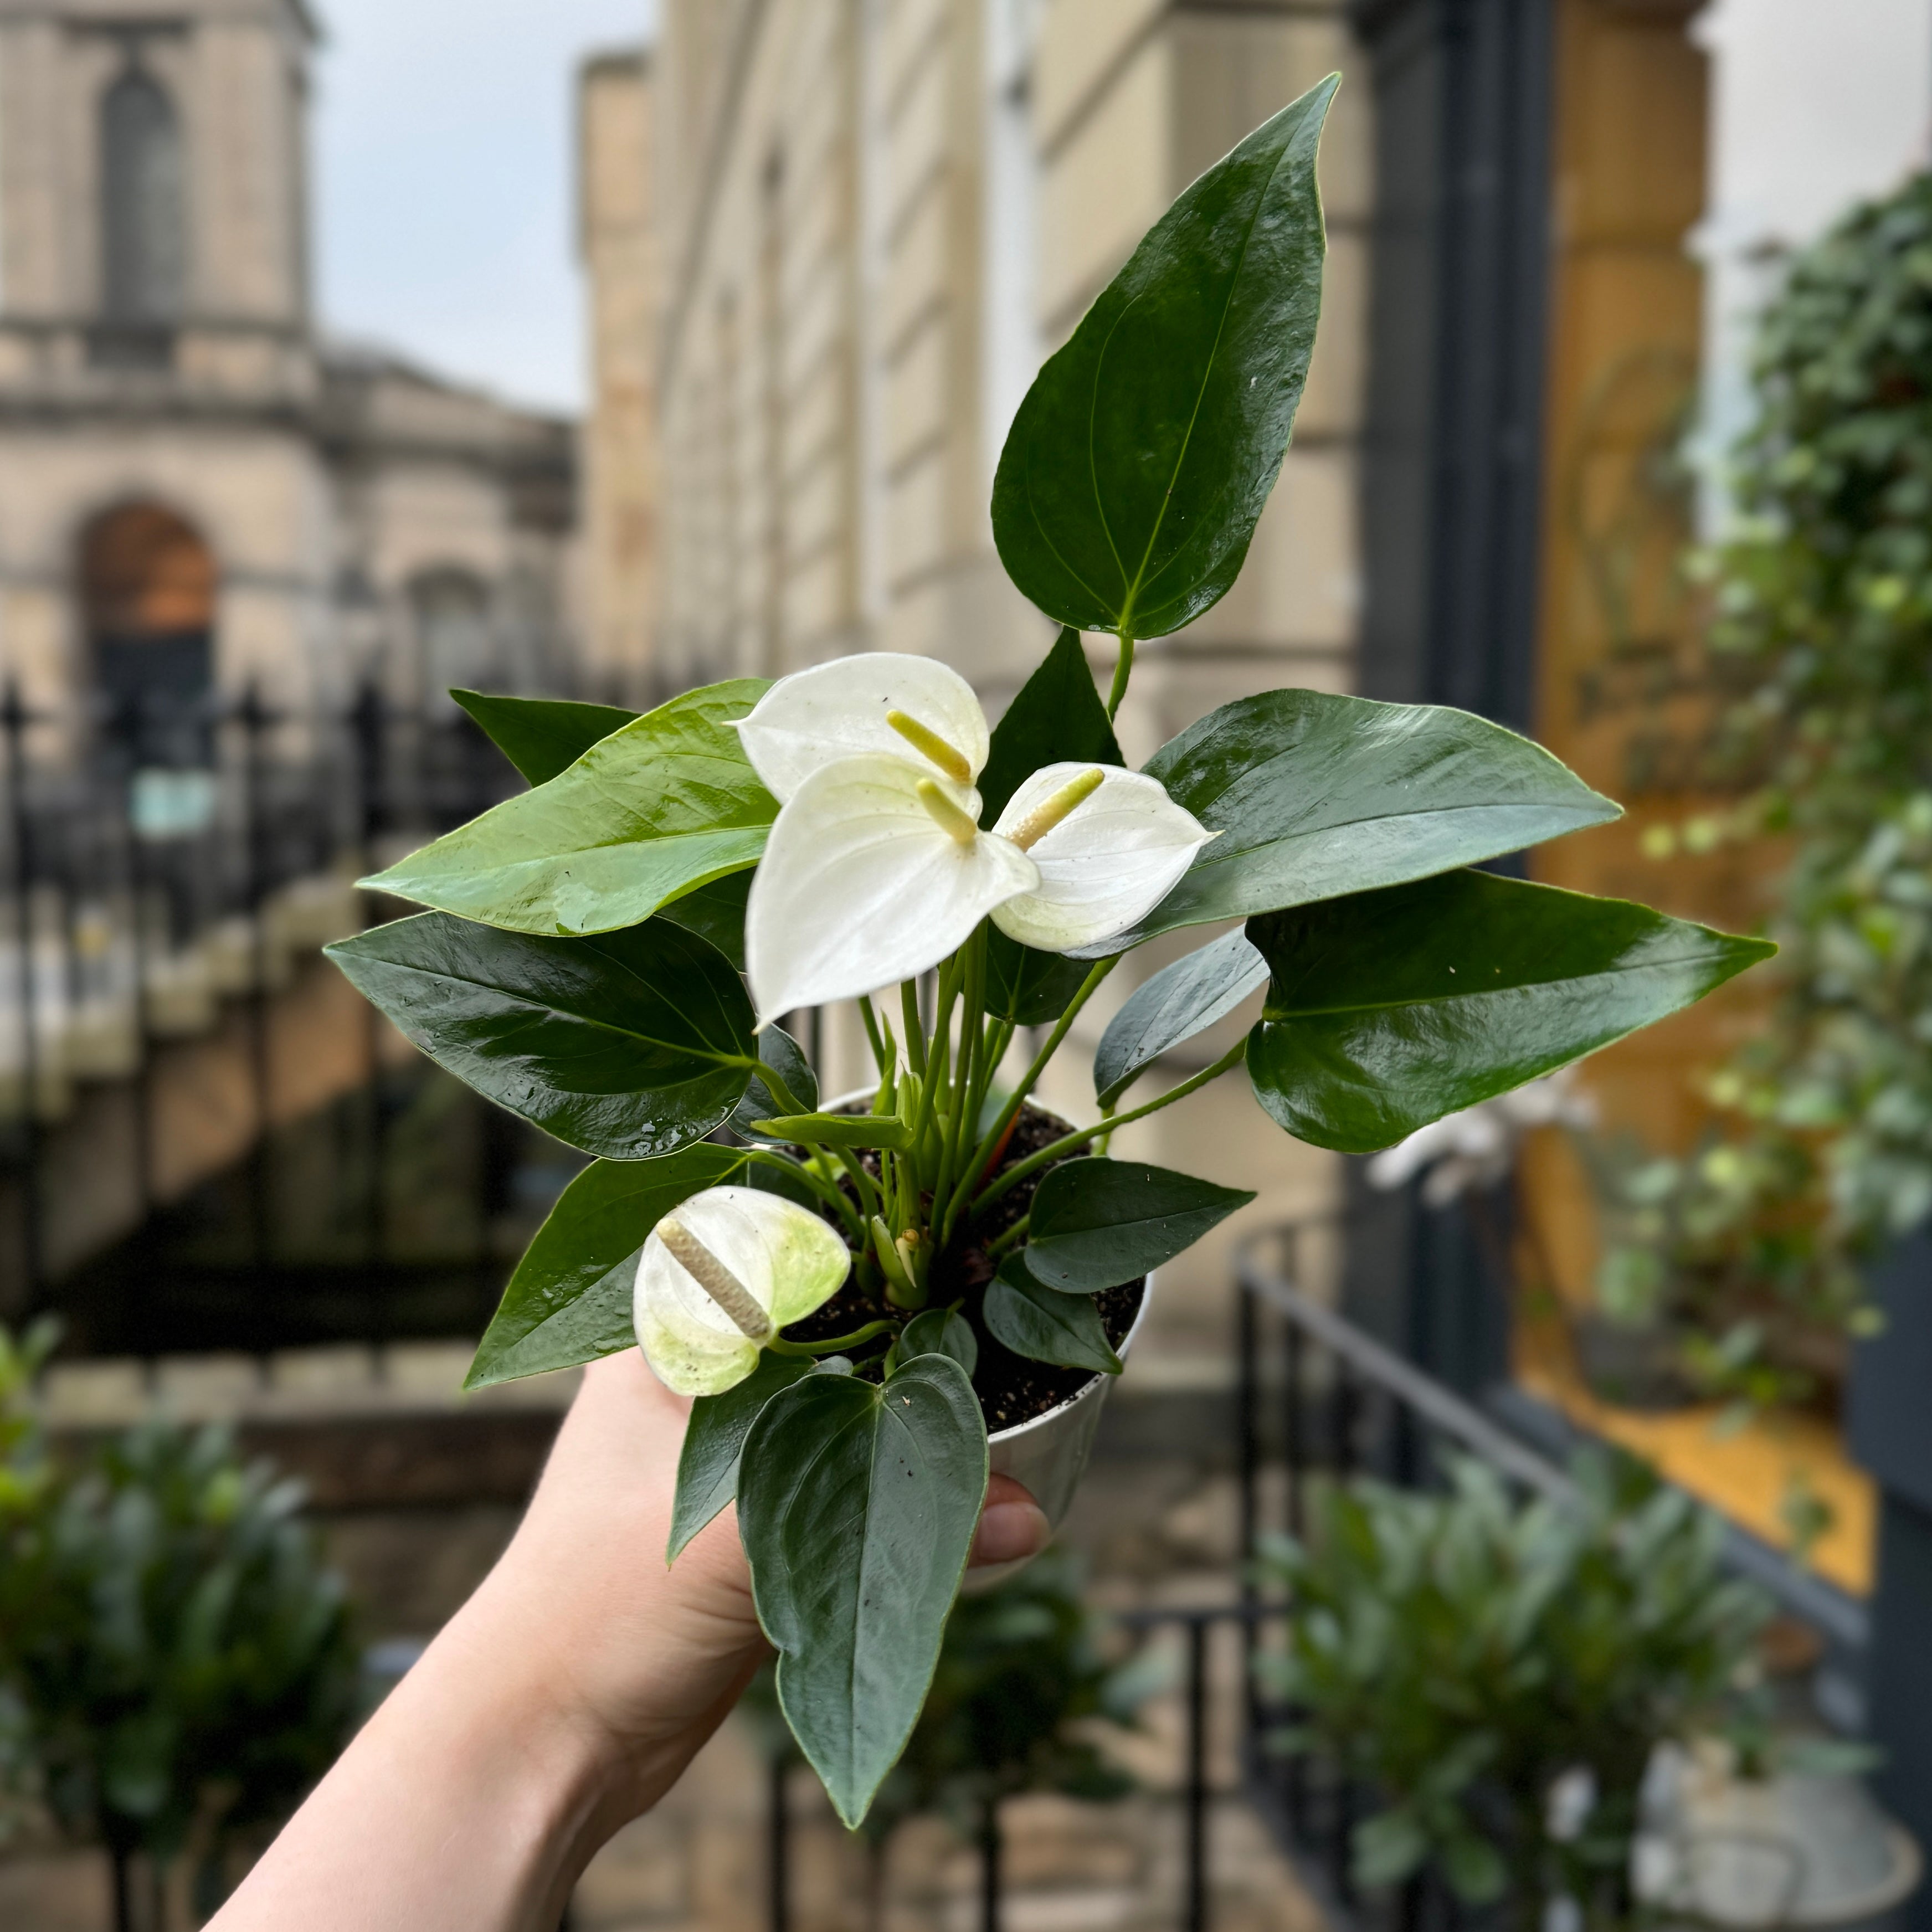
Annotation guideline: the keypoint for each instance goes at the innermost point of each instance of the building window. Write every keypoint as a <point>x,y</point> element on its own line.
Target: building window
<point>456,644</point>
<point>143,217</point>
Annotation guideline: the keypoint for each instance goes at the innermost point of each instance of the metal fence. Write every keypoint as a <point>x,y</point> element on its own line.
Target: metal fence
<point>1319,1399</point>
<point>159,868</point>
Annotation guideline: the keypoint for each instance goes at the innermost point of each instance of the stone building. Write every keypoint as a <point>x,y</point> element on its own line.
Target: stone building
<point>197,490</point>
<point>871,222</point>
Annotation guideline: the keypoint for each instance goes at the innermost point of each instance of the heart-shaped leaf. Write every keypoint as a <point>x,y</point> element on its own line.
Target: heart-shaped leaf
<point>940,1331</point>
<point>629,1045</point>
<point>1044,1325</point>
<point>707,1467</point>
<point>1137,465</point>
<point>1316,795</point>
<point>542,736</point>
<point>667,803</point>
<point>1178,1002</point>
<point>1097,1222</point>
<point>569,1301</point>
<point>1389,1009</point>
<point>857,1506</point>
<point>778,1051</point>
<point>715,912</point>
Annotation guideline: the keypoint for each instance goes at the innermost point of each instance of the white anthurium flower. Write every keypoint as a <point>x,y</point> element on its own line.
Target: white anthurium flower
<point>1103,864</point>
<point>721,1275</point>
<point>877,867</point>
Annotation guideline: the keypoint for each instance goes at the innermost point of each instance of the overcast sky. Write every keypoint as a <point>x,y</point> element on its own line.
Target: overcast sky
<point>444,174</point>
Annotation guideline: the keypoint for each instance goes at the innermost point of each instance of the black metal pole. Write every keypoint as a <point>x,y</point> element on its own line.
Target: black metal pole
<point>989,1866</point>
<point>254,722</point>
<point>778,1849</point>
<point>15,718</point>
<point>1196,1916</point>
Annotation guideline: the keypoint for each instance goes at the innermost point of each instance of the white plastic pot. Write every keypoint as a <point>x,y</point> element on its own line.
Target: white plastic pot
<point>1047,1455</point>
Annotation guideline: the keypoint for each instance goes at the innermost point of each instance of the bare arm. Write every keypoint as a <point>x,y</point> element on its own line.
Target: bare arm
<point>563,1699</point>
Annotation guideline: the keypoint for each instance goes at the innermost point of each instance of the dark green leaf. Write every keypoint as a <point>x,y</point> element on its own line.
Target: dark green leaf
<point>940,1331</point>
<point>569,1301</point>
<point>845,1130</point>
<point>668,803</point>
<point>1137,465</point>
<point>542,736</point>
<point>1044,1326</point>
<point>715,912</point>
<point>1316,795</point>
<point>707,1467</point>
<point>1389,1009</point>
<point>781,1052</point>
<point>630,1045</point>
<point>1057,715</point>
<point>1097,1223</point>
<point>857,1506</point>
<point>1178,1002</point>
<point>1027,986</point>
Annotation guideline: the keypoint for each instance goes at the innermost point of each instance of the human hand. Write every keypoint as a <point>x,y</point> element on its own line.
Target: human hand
<point>564,1698</point>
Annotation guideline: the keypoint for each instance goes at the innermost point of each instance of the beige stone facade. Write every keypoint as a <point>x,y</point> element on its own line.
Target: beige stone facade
<point>158,356</point>
<point>873,219</point>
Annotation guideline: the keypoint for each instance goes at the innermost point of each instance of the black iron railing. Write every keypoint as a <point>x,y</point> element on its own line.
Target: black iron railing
<point>1317,1399</point>
<point>148,861</point>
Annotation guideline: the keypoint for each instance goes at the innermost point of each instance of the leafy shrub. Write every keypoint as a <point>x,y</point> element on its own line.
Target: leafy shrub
<point>1498,1674</point>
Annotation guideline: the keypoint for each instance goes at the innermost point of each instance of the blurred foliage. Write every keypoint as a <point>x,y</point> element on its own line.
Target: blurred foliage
<point>1498,1674</point>
<point>179,1664</point>
<point>1822,627</point>
<point>1024,1691</point>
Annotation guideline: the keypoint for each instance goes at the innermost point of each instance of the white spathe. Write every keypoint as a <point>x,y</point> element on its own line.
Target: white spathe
<point>838,710</point>
<point>863,883</point>
<point>788,1260</point>
<point>1114,857</point>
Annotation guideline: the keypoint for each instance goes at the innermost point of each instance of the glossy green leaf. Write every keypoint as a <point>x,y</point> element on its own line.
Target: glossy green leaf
<point>1057,715</point>
<point>542,736</point>
<point>630,1045</point>
<point>1389,1009</point>
<point>940,1331</point>
<point>778,1051</point>
<point>716,913</point>
<point>1027,986</point>
<point>665,805</point>
<point>1044,1325</point>
<point>707,1466</point>
<point>1098,1222</point>
<point>1179,1001</point>
<point>844,1130</point>
<point>1137,465</point>
<point>569,1301</point>
<point>1316,795</point>
<point>857,1506</point>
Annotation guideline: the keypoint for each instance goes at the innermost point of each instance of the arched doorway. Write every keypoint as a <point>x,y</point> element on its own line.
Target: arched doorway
<point>456,640</point>
<point>147,590</point>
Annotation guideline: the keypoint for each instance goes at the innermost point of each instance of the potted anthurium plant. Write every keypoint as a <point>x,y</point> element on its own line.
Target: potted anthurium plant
<point>855,1294</point>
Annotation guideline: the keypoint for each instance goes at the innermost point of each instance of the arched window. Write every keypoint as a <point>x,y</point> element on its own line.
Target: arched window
<point>144,218</point>
<point>456,643</point>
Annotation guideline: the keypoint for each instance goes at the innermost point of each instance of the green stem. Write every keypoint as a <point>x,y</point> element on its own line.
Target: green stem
<point>982,1154</point>
<point>1123,670</point>
<point>1012,1238</point>
<point>915,1027</point>
<point>873,1036</point>
<point>935,1060</point>
<point>1067,1143</point>
<point>827,1191</point>
<point>972,1044</point>
<point>774,1084</point>
<point>779,1345</point>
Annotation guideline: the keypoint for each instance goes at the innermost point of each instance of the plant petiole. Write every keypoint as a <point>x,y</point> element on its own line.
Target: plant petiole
<point>779,1345</point>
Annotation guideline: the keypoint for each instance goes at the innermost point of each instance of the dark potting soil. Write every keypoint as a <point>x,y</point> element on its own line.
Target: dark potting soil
<point>1011,1389</point>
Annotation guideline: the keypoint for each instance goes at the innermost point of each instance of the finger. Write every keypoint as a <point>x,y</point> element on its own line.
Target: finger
<point>1013,1526</point>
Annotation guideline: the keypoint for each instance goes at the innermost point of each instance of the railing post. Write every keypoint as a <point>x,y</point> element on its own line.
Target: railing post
<point>778,1847</point>
<point>255,720</point>
<point>989,1866</point>
<point>14,720</point>
<point>1195,1919</point>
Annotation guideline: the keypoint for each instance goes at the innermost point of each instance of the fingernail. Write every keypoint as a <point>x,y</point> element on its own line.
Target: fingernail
<point>1008,1531</point>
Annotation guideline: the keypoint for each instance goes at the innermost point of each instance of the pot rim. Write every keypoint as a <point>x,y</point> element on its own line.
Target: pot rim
<point>1100,1380</point>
